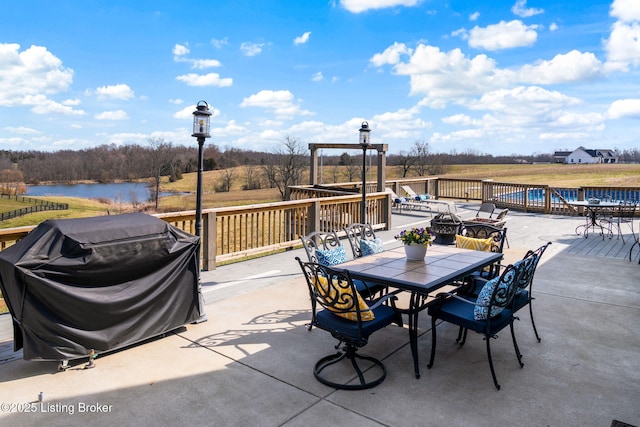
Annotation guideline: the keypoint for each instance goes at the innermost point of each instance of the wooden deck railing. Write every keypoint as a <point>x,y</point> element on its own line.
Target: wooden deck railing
<point>243,231</point>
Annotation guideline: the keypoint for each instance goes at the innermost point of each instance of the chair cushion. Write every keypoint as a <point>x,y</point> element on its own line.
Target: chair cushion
<point>370,247</point>
<point>329,257</point>
<point>384,315</point>
<point>462,314</point>
<point>344,294</point>
<point>464,242</point>
<point>484,297</point>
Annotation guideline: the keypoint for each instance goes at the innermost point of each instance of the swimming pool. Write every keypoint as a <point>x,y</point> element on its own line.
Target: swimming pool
<point>537,195</point>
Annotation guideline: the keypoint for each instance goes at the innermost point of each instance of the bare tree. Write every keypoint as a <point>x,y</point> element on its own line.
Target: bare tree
<point>420,157</point>
<point>335,173</point>
<point>252,181</point>
<point>225,182</point>
<point>12,182</point>
<point>352,167</point>
<point>404,162</point>
<point>159,165</point>
<point>285,166</point>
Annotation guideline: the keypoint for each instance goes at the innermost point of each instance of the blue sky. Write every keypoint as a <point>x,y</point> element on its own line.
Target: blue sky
<point>499,77</point>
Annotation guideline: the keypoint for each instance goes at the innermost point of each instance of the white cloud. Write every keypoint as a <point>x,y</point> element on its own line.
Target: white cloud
<point>302,39</point>
<point>358,6</point>
<point>204,63</point>
<point>520,9</point>
<point>176,101</point>
<point>553,27</point>
<point>251,49</point>
<point>461,120</point>
<point>624,108</point>
<point>219,43</point>
<point>474,16</point>
<point>391,55</point>
<point>504,35</point>
<point>42,105</point>
<point>180,50</point>
<point>34,71</point>
<point>524,100</point>
<point>623,46</point>
<point>211,79</point>
<point>119,91</point>
<point>625,10</point>
<point>571,67</point>
<point>71,102</point>
<point>442,76</point>
<point>317,77</point>
<point>23,130</point>
<point>281,102</point>
<point>112,115</point>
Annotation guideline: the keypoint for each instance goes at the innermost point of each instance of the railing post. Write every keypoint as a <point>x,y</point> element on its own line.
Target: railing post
<point>547,199</point>
<point>314,216</point>
<point>487,190</point>
<point>387,210</point>
<point>209,241</point>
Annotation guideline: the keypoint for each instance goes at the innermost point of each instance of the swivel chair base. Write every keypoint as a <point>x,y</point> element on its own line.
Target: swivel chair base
<point>374,375</point>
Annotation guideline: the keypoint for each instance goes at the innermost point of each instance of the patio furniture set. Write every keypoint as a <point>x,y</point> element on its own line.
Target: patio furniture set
<point>608,217</point>
<point>465,285</point>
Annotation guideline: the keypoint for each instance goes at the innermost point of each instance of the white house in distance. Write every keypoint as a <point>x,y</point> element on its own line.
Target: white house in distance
<point>583,155</point>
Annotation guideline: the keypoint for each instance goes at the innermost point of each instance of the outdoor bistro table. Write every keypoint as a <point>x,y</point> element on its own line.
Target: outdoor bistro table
<point>442,266</point>
<point>591,220</point>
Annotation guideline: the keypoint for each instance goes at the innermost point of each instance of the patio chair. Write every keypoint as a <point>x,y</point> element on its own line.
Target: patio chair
<point>338,308</point>
<point>485,210</point>
<point>363,242</point>
<point>637,242</point>
<point>414,195</point>
<point>325,248</point>
<point>617,217</point>
<point>487,315</point>
<point>523,295</point>
<point>397,201</point>
<point>482,237</point>
<point>427,198</point>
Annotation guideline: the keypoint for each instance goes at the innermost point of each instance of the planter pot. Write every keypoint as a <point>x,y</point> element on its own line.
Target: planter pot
<point>415,252</point>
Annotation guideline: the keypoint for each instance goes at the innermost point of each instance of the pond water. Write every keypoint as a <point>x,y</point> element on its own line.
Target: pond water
<point>122,191</point>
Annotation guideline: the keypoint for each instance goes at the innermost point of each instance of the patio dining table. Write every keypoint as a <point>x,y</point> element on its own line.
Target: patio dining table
<point>594,210</point>
<point>424,279</point>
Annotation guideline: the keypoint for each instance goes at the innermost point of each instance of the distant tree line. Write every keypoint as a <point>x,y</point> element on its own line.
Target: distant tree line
<point>279,168</point>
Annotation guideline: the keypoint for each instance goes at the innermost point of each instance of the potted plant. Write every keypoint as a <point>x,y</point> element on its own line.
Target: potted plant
<point>415,242</point>
<point>445,226</point>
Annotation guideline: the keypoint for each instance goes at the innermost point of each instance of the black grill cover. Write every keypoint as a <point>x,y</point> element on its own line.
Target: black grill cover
<point>99,283</point>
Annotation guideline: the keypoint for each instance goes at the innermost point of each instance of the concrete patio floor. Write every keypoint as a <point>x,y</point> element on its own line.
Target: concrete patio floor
<point>251,363</point>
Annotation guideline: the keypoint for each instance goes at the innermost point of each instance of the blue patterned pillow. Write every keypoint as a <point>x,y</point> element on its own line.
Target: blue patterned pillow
<point>484,297</point>
<point>370,247</point>
<point>329,257</point>
<point>422,197</point>
<point>400,200</point>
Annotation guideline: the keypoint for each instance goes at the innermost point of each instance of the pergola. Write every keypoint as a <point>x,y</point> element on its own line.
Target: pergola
<point>382,159</point>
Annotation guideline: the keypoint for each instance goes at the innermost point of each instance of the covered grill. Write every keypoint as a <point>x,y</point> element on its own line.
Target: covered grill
<point>100,284</point>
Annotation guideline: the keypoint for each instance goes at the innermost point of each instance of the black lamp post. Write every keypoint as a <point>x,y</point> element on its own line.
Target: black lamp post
<point>364,143</point>
<point>201,122</point>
